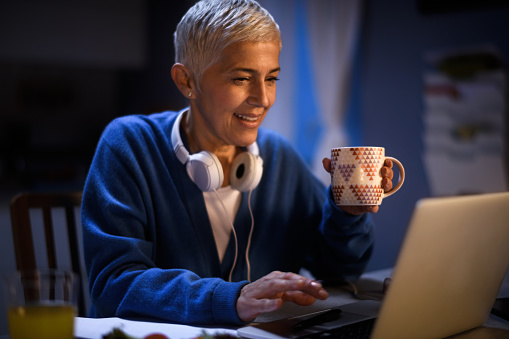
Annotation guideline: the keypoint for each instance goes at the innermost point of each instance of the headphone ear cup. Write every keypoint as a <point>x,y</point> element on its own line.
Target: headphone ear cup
<point>205,170</point>
<point>246,172</point>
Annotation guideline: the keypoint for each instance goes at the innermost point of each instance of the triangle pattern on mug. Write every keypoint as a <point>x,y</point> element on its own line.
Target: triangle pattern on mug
<point>346,171</point>
<point>367,195</point>
<point>345,194</point>
<point>355,175</point>
<point>368,159</point>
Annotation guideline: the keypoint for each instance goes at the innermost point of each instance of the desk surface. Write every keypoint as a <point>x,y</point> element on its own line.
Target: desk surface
<point>370,285</point>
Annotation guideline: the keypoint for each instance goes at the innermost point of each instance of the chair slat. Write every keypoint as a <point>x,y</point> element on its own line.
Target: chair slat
<point>23,237</point>
<point>22,233</point>
<point>73,237</point>
<point>51,253</point>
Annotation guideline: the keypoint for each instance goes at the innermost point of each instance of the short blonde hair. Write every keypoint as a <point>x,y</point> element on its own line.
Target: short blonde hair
<point>212,25</point>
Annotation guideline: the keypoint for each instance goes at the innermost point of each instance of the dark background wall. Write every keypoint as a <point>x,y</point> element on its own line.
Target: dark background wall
<point>60,85</point>
<point>396,36</point>
<point>66,70</point>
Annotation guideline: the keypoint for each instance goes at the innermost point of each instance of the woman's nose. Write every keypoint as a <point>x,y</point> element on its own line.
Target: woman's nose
<point>259,95</point>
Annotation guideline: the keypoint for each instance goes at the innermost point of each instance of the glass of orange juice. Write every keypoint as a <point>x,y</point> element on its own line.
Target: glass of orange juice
<point>41,304</point>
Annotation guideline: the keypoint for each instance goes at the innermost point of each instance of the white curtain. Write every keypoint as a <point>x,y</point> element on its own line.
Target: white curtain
<point>332,33</point>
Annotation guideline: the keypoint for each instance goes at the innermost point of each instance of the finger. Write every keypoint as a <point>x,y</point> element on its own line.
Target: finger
<point>326,164</point>
<point>386,184</point>
<point>387,172</point>
<point>291,282</point>
<point>353,210</point>
<point>388,163</point>
<point>368,209</point>
<point>358,210</point>
<point>297,283</point>
<point>299,298</point>
<point>283,275</point>
<point>311,288</point>
<point>274,283</point>
<point>268,293</point>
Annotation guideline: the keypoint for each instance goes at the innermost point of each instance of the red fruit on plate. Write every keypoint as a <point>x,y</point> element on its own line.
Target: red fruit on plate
<point>156,336</point>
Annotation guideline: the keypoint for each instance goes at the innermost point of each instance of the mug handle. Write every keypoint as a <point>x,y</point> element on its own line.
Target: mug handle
<point>401,178</point>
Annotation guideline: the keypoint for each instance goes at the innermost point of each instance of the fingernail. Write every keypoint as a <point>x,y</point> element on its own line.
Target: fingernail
<point>316,284</point>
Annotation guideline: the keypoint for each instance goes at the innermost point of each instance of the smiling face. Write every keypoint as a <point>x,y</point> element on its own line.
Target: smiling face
<point>235,95</point>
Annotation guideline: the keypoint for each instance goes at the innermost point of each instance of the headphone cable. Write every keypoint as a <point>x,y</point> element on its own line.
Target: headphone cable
<point>250,236</point>
<point>234,235</point>
<point>236,239</point>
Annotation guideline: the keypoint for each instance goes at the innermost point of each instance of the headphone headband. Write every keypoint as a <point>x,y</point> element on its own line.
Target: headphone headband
<point>176,140</point>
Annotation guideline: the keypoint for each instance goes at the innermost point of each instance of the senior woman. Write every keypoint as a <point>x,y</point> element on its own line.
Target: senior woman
<point>200,216</point>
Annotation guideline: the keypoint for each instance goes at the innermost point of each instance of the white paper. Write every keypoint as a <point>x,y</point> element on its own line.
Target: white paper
<point>464,133</point>
<point>95,328</point>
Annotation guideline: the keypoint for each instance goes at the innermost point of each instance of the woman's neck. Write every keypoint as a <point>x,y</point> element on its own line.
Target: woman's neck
<point>198,142</point>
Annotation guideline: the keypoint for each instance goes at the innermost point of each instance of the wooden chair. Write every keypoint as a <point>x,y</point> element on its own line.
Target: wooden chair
<point>24,231</point>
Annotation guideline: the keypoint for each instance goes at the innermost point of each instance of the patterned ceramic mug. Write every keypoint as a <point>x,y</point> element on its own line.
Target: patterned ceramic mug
<point>356,178</point>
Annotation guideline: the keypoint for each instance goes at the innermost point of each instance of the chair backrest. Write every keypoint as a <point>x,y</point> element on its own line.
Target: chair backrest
<point>24,232</point>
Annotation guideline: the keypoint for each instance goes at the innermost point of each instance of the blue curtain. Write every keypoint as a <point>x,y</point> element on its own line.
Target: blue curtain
<point>353,119</point>
<point>308,124</point>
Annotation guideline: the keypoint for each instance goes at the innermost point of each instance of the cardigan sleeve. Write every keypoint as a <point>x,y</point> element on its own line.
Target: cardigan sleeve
<point>310,229</point>
<point>124,279</point>
<point>349,243</point>
<point>343,243</point>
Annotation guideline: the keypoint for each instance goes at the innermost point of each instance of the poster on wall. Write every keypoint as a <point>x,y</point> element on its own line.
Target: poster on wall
<point>465,122</point>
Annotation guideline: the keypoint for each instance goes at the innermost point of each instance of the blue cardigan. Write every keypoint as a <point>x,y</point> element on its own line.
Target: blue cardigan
<point>149,248</point>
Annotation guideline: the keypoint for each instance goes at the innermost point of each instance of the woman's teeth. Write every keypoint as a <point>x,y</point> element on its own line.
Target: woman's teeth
<point>245,117</point>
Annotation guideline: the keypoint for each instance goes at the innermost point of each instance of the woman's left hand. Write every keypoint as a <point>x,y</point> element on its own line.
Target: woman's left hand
<point>387,175</point>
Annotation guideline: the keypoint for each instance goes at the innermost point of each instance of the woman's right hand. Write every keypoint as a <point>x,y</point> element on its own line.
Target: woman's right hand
<point>268,294</point>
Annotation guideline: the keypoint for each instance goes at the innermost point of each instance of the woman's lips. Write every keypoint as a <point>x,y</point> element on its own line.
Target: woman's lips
<point>249,118</point>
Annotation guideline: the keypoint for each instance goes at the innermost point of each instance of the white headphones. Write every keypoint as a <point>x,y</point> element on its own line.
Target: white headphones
<point>206,171</point>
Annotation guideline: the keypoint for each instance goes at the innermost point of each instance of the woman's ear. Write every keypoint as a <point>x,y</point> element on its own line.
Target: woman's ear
<point>183,79</point>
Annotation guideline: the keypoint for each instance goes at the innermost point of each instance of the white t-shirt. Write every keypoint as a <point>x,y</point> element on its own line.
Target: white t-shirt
<point>221,224</point>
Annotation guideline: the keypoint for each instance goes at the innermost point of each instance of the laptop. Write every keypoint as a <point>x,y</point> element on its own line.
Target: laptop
<point>445,281</point>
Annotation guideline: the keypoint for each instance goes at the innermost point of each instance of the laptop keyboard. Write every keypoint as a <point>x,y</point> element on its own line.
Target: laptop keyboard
<point>359,330</point>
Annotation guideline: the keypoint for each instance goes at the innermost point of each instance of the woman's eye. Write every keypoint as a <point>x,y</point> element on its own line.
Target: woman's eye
<point>243,80</point>
<point>272,79</point>
<point>240,81</point>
